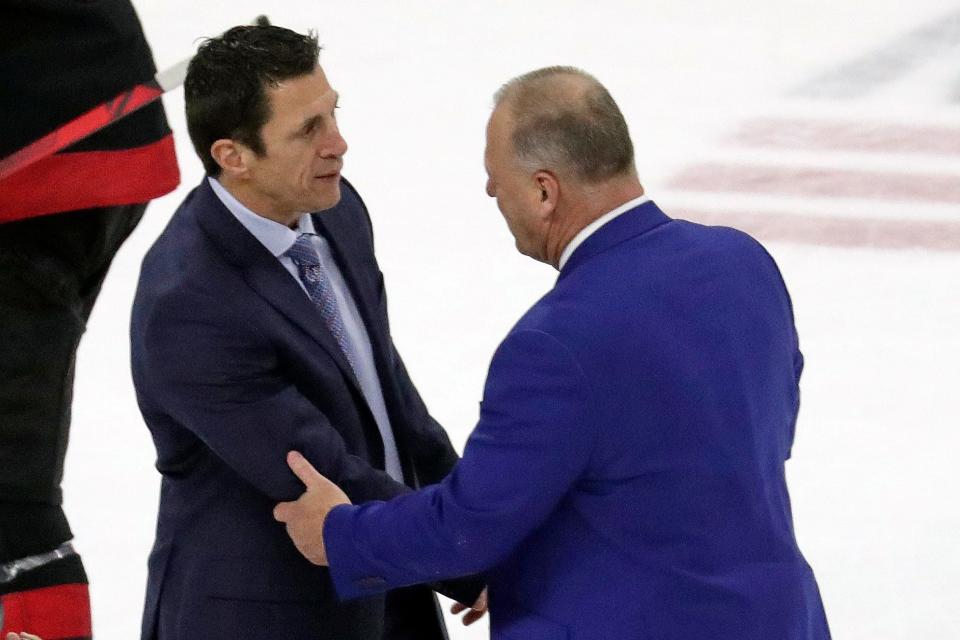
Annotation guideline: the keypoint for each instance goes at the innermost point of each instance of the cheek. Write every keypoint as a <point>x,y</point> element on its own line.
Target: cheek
<point>516,222</point>
<point>508,210</point>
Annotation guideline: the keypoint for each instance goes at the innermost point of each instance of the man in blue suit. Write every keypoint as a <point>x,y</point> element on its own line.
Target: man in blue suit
<point>259,328</point>
<point>626,476</point>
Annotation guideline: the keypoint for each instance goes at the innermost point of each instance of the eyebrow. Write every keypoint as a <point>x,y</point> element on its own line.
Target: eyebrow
<point>313,120</point>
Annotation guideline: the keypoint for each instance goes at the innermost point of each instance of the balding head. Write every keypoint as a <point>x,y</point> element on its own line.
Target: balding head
<point>564,120</point>
<point>558,156</point>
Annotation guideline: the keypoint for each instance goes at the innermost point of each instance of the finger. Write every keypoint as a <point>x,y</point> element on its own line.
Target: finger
<point>481,603</point>
<point>457,607</point>
<point>309,476</point>
<point>471,617</point>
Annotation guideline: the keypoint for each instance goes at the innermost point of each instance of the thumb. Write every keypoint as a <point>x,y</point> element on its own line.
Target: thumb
<point>302,468</point>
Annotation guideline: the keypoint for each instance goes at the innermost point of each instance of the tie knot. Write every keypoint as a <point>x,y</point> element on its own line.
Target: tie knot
<point>302,252</point>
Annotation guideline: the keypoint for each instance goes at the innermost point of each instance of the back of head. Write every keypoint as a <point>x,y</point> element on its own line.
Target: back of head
<point>225,88</point>
<point>565,120</point>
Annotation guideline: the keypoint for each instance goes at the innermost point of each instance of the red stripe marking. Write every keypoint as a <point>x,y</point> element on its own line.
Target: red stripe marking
<point>848,136</point>
<point>53,613</point>
<point>83,180</point>
<point>804,181</point>
<point>836,231</point>
<point>80,127</point>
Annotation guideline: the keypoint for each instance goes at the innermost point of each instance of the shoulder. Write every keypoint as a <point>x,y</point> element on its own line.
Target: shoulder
<point>741,250</point>
<point>182,263</point>
<point>718,237</point>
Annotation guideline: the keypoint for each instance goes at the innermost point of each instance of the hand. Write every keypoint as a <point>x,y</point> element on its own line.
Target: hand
<point>475,612</point>
<point>305,517</point>
<point>22,636</point>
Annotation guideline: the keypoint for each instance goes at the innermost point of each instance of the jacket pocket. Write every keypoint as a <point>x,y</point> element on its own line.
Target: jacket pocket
<point>251,599</point>
<point>265,580</point>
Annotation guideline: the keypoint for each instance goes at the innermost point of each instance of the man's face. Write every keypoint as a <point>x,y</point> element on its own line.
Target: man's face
<point>516,190</point>
<point>300,169</point>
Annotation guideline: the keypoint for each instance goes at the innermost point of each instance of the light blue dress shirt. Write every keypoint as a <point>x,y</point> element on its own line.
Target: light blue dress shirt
<point>278,239</point>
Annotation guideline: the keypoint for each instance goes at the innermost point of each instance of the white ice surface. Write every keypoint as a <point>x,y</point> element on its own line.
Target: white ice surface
<point>873,476</point>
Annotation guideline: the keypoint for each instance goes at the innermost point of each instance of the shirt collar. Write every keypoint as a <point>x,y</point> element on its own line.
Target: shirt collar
<point>274,236</point>
<point>588,230</point>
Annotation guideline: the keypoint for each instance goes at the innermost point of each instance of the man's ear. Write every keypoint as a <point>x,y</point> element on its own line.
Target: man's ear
<point>549,188</point>
<point>231,156</point>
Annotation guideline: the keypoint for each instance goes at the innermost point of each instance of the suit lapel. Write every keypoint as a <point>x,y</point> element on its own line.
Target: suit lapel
<point>332,228</point>
<point>337,229</point>
<point>265,275</point>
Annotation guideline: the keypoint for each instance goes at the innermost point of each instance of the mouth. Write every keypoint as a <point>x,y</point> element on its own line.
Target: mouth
<point>333,175</point>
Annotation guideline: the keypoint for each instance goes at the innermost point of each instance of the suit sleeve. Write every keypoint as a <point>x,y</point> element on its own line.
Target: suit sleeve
<point>220,379</point>
<point>533,440</point>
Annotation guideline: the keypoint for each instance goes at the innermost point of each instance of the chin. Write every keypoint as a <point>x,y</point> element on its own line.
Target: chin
<point>327,202</point>
<point>522,249</point>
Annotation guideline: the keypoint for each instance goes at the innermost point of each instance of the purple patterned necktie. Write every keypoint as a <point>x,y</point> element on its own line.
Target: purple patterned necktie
<point>319,288</point>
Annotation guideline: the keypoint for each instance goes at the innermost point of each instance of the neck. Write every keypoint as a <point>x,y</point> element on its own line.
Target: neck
<point>585,205</point>
<point>259,203</point>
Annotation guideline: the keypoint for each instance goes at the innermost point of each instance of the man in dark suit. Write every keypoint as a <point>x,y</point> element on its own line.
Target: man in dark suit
<point>258,328</point>
<point>626,477</point>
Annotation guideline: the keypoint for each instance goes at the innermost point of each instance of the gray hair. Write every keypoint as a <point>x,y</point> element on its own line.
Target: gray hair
<point>564,119</point>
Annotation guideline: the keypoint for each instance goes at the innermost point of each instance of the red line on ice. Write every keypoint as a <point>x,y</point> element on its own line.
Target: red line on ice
<point>807,181</point>
<point>827,135</point>
<point>836,231</point>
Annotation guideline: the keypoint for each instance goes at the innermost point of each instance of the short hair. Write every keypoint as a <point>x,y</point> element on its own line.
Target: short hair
<point>565,119</point>
<point>225,88</point>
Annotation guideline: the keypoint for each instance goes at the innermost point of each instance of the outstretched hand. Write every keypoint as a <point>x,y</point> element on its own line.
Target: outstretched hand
<point>305,516</point>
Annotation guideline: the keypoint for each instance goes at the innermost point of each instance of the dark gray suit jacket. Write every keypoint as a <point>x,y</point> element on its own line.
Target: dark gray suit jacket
<point>234,367</point>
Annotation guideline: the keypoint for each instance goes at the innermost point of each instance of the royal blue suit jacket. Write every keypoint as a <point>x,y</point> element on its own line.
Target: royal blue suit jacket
<point>233,368</point>
<point>626,478</point>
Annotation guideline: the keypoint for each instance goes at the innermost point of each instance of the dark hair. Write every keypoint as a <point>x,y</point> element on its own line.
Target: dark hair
<point>565,119</point>
<point>225,89</point>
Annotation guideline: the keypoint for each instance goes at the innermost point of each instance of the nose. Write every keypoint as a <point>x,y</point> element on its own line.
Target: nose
<point>333,145</point>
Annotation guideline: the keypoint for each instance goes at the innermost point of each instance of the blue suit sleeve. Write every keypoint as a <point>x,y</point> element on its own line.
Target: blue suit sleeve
<point>532,442</point>
<point>221,380</point>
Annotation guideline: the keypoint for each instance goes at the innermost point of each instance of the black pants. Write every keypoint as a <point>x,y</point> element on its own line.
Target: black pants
<point>51,271</point>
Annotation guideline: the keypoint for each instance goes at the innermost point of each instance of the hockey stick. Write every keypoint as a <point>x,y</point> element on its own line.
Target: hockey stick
<point>95,119</point>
